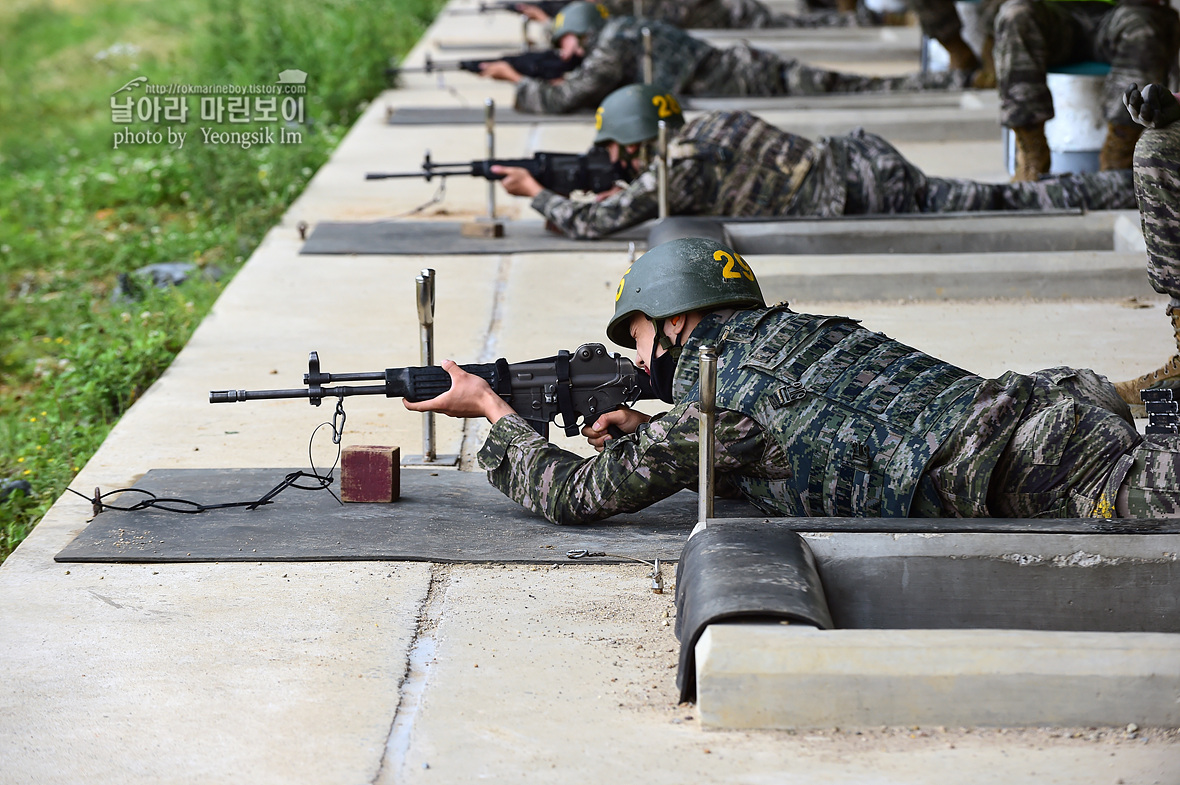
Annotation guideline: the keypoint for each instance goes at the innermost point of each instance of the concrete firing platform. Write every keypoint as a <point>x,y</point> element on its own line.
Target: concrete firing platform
<point>393,672</point>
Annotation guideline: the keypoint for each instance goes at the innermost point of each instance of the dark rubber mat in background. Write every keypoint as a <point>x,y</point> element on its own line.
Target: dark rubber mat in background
<point>431,238</point>
<point>444,516</point>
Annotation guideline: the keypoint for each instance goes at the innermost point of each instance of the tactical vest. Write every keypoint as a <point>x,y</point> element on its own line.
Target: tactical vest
<point>859,415</point>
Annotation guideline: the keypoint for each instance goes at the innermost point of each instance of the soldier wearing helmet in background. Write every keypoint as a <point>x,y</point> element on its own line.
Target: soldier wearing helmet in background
<point>817,415</point>
<point>721,14</point>
<point>612,48</point>
<point>735,164</point>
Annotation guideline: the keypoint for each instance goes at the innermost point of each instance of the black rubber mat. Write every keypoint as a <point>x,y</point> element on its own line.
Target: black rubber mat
<point>432,238</point>
<point>444,516</point>
<point>476,115</point>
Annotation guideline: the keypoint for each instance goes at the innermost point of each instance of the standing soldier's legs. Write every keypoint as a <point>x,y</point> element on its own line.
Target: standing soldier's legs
<point>1030,36</point>
<point>1157,189</point>
<point>1139,42</point>
<point>940,21</point>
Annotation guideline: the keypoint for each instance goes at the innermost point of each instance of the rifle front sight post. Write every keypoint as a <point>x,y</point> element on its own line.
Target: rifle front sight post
<point>490,121</point>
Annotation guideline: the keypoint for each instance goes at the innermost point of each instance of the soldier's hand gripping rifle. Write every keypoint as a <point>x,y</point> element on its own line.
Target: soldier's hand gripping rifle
<point>562,173</point>
<point>539,65</point>
<point>576,387</point>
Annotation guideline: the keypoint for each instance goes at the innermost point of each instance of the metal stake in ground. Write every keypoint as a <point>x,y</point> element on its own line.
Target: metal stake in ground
<point>708,408</point>
<point>425,283</point>
<point>648,66</point>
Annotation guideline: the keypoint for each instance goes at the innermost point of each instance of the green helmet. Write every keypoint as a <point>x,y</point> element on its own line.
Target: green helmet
<point>579,18</point>
<point>632,114</point>
<point>689,274</point>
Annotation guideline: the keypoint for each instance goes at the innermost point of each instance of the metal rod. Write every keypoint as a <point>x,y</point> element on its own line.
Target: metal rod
<point>490,124</point>
<point>636,8</point>
<point>662,169</point>
<point>425,282</point>
<point>630,253</point>
<point>708,404</point>
<point>648,66</point>
<point>524,33</point>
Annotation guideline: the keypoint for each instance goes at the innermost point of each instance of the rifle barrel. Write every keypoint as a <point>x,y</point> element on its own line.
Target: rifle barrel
<point>238,396</point>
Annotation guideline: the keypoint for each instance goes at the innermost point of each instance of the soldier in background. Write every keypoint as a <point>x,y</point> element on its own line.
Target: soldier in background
<point>817,415</point>
<point>735,164</point>
<point>1157,189</point>
<point>720,14</point>
<point>613,52</point>
<point>1139,39</point>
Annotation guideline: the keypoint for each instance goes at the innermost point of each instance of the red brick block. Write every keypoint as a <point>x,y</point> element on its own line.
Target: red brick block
<point>370,473</point>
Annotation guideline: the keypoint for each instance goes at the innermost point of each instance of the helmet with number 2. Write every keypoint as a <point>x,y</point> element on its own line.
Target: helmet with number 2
<point>580,18</point>
<point>632,114</point>
<point>689,274</point>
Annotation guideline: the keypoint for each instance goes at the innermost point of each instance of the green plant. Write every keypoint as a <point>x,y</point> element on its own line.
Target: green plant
<point>76,214</point>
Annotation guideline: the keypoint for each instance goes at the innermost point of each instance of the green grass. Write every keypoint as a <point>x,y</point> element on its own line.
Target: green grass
<point>75,213</point>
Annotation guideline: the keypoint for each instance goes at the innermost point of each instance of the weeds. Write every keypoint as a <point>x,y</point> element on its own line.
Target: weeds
<point>76,213</point>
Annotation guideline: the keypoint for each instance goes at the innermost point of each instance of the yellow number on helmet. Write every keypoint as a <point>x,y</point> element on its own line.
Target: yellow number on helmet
<point>622,281</point>
<point>558,20</point>
<point>666,105</point>
<point>598,119</point>
<point>728,271</point>
<point>602,11</point>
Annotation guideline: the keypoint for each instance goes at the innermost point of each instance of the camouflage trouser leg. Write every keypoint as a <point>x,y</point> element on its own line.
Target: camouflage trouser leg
<point>878,179</point>
<point>1091,191</point>
<point>1064,452</point>
<point>1139,42</point>
<point>938,18</point>
<point>800,79</point>
<point>810,19</point>
<point>1157,189</point>
<point>1151,485</point>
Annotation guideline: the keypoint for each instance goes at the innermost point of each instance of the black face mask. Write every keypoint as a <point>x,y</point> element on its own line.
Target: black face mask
<point>663,371</point>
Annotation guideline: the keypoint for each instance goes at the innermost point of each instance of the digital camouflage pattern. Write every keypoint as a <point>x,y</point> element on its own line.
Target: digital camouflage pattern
<point>687,66</point>
<point>1139,40</point>
<point>735,164</point>
<point>1157,190</point>
<point>877,179</point>
<point>725,14</point>
<point>823,417</point>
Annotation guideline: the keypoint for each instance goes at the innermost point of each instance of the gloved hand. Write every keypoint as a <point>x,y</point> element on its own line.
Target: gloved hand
<point>1153,107</point>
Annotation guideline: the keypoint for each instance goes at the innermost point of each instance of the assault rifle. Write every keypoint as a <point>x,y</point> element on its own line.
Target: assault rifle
<point>578,386</point>
<point>539,65</point>
<point>562,173</point>
<point>551,7</point>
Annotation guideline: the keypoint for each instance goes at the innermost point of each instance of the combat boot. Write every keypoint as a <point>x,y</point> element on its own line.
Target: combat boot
<point>1032,153</point>
<point>846,6</point>
<point>985,77</point>
<point>1170,372</point>
<point>962,58</point>
<point>1118,149</point>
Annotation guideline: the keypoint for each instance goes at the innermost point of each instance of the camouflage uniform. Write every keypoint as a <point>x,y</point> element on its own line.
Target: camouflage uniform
<point>725,14</point>
<point>938,18</point>
<point>1157,188</point>
<point>1138,40</point>
<point>819,416</point>
<point>688,66</point>
<point>735,164</point>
